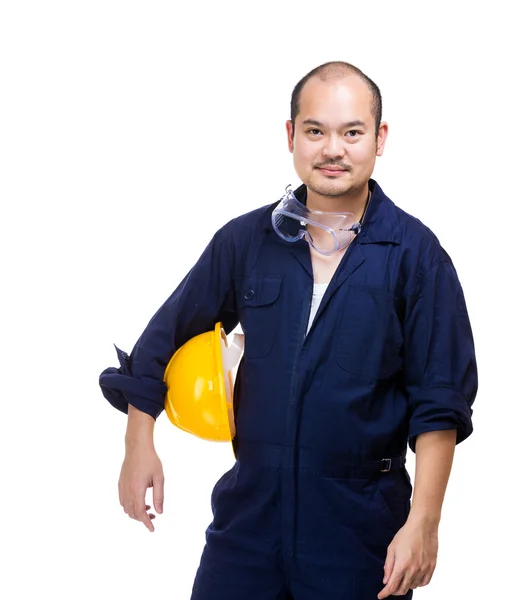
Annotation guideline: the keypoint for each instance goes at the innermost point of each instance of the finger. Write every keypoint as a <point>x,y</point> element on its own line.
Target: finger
<point>144,517</point>
<point>129,509</point>
<point>392,586</point>
<point>416,581</point>
<point>149,525</point>
<point>121,494</point>
<point>385,593</point>
<point>403,588</point>
<point>158,493</point>
<point>132,512</point>
<point>389,565</point>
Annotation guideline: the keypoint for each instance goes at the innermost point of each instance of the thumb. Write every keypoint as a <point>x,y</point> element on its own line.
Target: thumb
<point>389,565</point>
<point>158,493</point>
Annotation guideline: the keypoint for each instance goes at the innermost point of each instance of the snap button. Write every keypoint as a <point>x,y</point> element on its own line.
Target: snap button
<point>249,295</point>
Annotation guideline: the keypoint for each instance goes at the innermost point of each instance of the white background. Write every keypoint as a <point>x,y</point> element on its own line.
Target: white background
<point>131,131</point>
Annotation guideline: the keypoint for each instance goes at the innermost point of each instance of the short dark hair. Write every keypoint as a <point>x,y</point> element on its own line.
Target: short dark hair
<point>336,70</point>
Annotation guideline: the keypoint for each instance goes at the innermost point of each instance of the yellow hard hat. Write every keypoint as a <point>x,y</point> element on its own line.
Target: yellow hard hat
<point>199,379</point>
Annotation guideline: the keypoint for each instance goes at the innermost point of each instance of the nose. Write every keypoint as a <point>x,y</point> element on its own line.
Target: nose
<point>333,147</point>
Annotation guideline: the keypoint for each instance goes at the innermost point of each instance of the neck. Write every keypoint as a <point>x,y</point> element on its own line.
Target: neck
<point>353,202</point>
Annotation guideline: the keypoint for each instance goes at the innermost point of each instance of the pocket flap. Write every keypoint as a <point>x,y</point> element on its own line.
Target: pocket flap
<point>260,291</point>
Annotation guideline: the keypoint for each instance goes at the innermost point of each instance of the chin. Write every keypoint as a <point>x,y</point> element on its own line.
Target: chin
<point>329,188</point>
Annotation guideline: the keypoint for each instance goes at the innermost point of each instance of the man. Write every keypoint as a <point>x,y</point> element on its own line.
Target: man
<point>357,342</point>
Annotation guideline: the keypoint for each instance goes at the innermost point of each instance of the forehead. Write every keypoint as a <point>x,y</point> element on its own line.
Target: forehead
<point>348,99</point>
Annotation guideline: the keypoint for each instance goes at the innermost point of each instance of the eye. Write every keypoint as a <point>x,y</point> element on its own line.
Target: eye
<point>354,133</point>
<point>314,132</point>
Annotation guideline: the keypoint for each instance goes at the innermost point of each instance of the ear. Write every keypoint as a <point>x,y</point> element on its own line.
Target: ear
<point>382,138</point>
<point>290,136</point>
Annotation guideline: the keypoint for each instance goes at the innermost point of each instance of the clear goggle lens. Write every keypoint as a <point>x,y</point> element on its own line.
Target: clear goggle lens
<point>326,232</point>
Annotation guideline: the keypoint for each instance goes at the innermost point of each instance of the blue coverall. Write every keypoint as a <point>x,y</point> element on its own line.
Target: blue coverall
<point>319,487</point>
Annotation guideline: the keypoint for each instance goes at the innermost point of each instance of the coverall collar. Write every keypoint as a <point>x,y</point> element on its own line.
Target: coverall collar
<point>380,223</point>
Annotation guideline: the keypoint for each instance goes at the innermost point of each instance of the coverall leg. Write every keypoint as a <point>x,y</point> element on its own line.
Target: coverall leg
<point>311,531</point>
<point>242,556</point>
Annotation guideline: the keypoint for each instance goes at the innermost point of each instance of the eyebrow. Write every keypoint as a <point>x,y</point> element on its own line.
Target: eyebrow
<point>356,123</point>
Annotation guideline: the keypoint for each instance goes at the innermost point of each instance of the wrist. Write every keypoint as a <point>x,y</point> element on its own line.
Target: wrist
<point>423,517</point>
<point>140,426</point>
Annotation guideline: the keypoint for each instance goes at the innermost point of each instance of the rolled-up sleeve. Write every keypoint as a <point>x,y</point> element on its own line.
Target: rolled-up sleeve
<point>440,372</point>
<point>204,297</point>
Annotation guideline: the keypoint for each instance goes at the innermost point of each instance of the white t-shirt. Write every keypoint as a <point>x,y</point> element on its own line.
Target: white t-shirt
<point>318,292</point>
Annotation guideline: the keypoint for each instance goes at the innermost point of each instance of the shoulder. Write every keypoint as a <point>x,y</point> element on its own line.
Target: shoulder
<point>248,225</point>
<point>417,240</point>
<point>417,233</point>
<point>240,238</point>
<point>418,250</point>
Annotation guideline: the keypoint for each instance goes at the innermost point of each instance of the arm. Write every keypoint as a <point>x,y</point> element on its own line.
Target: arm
<point>439,371</point>
<point>137,387</point>
<point>139,429</point>
<point>440,379</point>
<point>434,456</point>
<point>202,298</point>
<point>411,557</point>
<point>141,469</point>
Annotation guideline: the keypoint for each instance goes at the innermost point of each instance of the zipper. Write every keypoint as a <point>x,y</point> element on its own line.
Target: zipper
<point>293,425</point>
<point>303,328</point>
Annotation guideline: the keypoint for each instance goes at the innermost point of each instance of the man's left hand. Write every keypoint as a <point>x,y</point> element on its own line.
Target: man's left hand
<point>411,558</point>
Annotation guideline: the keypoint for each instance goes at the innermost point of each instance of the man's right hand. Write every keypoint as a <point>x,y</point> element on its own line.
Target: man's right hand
<point>141,469</point>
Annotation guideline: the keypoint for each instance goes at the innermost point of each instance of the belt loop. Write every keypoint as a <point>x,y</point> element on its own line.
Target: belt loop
<point>386,465</point>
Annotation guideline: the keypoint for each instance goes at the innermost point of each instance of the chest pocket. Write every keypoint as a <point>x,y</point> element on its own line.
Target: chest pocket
<point>259,313</point>
<point>370,334</point>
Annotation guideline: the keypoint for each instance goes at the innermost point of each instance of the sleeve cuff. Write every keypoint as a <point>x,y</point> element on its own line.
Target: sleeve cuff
<point>438,409</point>
<point>121,389</point>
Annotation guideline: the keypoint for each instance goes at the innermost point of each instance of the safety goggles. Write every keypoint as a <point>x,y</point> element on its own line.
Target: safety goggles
<point>326,232</point>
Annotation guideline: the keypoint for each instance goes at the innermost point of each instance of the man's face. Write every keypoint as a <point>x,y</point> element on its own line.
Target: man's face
<point>334,145</point>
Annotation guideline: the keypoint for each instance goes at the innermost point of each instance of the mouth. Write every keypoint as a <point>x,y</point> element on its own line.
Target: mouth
<point>332,170</point>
